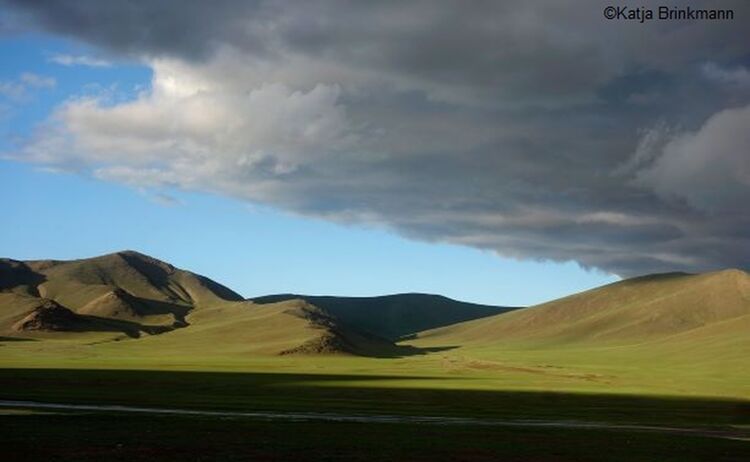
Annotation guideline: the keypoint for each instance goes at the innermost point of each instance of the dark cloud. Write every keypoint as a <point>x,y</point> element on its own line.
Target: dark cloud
<point>189,29</point>
<point>538,130</point>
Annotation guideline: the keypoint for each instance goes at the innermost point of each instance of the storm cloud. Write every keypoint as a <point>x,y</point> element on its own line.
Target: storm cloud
<point>538,130</point>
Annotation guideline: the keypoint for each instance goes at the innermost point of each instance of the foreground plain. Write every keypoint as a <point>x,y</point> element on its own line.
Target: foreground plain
<point>57,436</point>
<point>717,428</point>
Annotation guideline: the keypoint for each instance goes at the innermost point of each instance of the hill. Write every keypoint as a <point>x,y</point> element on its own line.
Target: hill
<point>125,291</point>
<point>657,308</point>
<point>128,294</point>
<point>668,334</point>
<point>238,331</point>
<point>394,316</point>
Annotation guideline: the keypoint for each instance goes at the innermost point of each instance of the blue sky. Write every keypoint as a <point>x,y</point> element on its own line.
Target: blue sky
<point>256,250</point>
<point>253,249</point>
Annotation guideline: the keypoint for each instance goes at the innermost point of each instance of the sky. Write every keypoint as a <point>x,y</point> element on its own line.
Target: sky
<point>500,153</point>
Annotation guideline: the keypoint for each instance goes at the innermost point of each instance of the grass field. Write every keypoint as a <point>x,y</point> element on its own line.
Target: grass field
<point>57,436</point>
<point>102,435</point>
<point>642,370</point>
<point>351,393</point>
<point>135,438</point>
<point>487,383</point>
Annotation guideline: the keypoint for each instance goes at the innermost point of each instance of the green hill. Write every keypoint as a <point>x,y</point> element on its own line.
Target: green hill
<point>124,291</point>
<point>654,327</point>
<point>128,294</point>
<point>394,316</point>
<point>237,330</point>
<point>653,308</point>
<point>660,334</point>
<point>669,333</point>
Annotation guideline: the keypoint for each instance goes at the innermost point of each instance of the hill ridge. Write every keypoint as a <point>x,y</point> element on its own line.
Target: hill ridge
<point>134,291</point>
<point>633,311</point>
<point>128,293</point>
<point>394,316</point>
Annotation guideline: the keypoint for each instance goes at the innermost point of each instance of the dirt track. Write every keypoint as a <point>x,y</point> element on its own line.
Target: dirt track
<point>729,433</point>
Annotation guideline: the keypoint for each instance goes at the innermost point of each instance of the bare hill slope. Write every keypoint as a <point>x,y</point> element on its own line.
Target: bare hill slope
<point>124,286</point>
<point>649,308</point>
<point>395,316</point>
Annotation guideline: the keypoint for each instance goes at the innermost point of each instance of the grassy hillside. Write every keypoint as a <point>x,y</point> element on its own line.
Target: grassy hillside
<point>77,282</point>
<point>670,334</point>
<point>125,292</point>
<point>651,308</point>
<point>243,330</point>
<point>395,316</point>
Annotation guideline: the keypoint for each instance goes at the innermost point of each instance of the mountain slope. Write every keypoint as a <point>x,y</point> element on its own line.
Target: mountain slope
<point>141,292</point>
<point>137,274</point>
<point>394,316</point>
<point>231,331</point>
<point>646,309</point>
<point>127,294</point>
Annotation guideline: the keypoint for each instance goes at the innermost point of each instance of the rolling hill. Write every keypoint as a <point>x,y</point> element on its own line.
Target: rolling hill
<point>394,316</point>
<point>657,308</point>
<point>660,334</point>
<point>668,333</point>
<point>128,294</point>
<point>162,310</point>
<point>125,291</point>
<point>235,330</point>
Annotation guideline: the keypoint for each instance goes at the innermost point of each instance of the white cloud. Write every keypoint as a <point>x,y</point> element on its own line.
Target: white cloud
<point>31,80</point>
<point>709,168</point>
<point>186,133</point>
<point>12,89</point>
<point>20,88</point>
<point>78,60</point>
<point>735,76</point>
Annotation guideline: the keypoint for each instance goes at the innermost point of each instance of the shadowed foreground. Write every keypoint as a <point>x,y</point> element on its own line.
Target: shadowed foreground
<point>370,394</point>
<point>97,435</point>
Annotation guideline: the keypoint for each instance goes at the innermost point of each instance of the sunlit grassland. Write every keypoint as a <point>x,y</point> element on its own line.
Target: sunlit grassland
<point>643,370</point>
